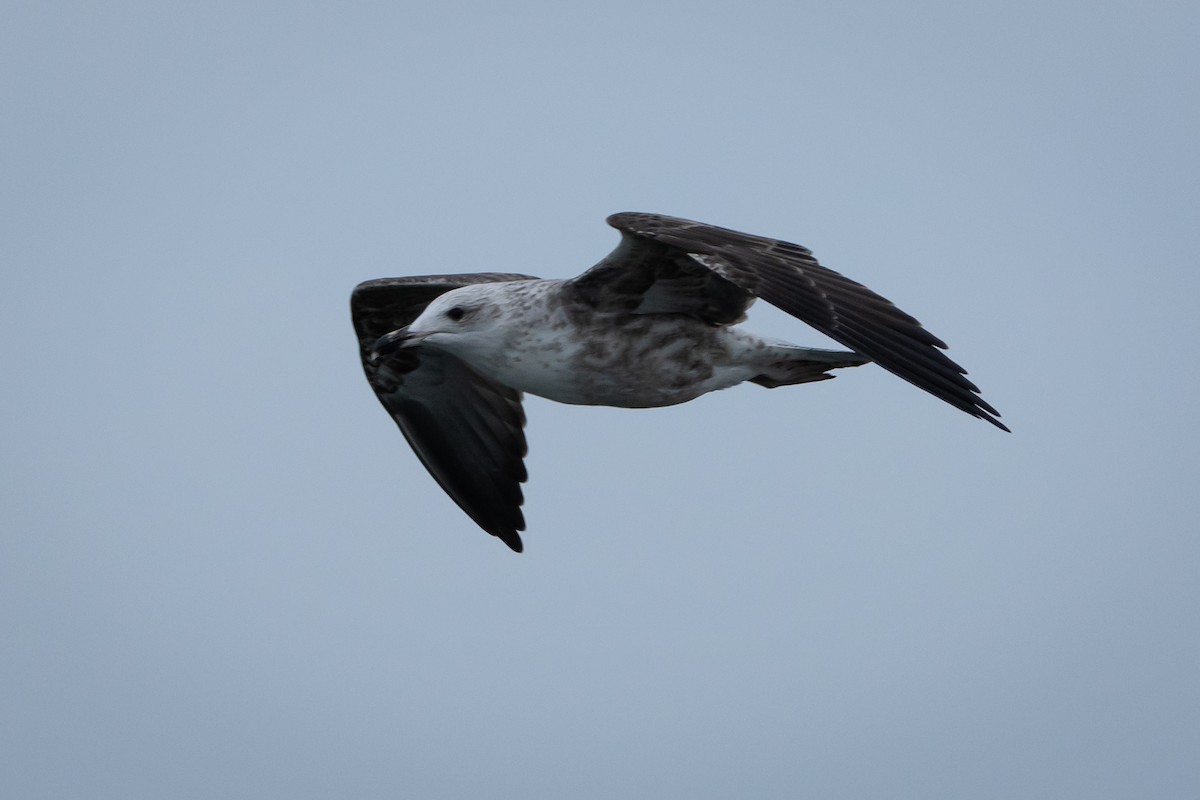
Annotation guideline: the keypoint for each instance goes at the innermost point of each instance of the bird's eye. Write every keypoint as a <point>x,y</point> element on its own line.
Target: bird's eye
<point>456,313</point>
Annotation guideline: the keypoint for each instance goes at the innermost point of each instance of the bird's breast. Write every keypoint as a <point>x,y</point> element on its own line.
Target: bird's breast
<point>626,360</point>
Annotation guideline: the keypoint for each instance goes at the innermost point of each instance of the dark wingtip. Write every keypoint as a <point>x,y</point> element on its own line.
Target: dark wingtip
<point>512,539</point>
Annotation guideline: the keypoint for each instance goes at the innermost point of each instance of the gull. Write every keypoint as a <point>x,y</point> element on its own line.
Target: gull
<point>653,324</point>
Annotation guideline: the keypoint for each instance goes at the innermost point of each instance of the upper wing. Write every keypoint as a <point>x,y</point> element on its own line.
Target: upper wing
<point>786,276</point>
<point>467,430</point>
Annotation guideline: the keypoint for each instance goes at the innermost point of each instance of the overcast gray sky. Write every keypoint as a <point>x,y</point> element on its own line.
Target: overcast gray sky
<point>224,574</point>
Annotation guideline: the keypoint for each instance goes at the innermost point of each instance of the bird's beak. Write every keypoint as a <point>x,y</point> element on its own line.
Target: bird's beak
<point>391,342</point>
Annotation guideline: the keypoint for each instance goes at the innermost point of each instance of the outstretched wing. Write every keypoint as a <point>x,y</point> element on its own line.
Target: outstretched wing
<point>467,430</point>
<point>665,264</point>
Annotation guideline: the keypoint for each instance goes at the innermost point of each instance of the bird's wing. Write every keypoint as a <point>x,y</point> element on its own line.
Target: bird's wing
<point>644,276</point>
<point>467,430</point>
<point>702,264</point>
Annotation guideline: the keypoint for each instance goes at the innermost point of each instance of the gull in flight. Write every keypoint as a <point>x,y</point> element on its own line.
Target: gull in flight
<point>653,324</point>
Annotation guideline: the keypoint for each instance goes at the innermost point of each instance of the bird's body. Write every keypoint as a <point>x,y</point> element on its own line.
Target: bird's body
<point>653,324</point>
<point>535,337</point>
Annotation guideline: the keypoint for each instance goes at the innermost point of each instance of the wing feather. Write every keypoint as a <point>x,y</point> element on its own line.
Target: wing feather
<point>787,276</point>
<point>466,429</point>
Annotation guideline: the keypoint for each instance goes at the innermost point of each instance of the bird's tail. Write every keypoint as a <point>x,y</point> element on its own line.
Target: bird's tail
<point>805,365</point>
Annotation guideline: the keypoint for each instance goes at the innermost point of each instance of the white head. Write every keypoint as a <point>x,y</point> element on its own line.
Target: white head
<point>459,312</point>
<point>468,322</point>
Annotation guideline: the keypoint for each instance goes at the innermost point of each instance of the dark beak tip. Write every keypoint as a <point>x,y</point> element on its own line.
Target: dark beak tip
<point>388,343</point>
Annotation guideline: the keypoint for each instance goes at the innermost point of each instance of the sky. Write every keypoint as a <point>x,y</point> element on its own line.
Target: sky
<point>224,574</point>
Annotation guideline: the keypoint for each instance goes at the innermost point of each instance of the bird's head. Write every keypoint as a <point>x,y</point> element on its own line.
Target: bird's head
<point>463,321</point>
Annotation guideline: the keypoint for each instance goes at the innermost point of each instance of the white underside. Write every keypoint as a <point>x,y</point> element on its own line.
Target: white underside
<point>648,366</point>
<point>526,339</point>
